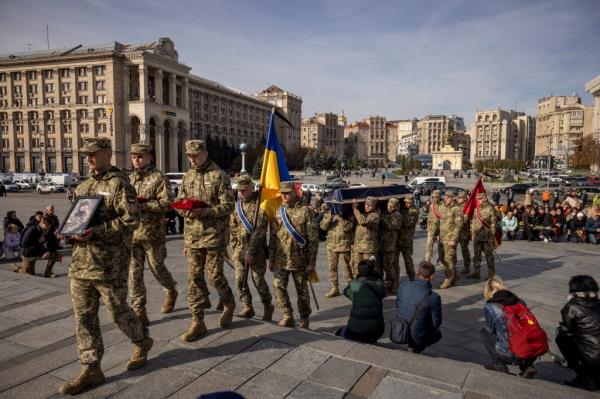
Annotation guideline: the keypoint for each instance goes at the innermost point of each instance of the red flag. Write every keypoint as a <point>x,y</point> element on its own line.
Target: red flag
<point>472,202</point>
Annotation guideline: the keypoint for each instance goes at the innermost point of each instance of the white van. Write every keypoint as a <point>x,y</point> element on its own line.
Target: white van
<point>422,179</point>
<point>175,178</point>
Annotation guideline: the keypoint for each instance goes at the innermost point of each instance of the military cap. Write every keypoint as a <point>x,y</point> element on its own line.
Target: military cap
<point>393,201</point>
<point>371,201</point>
<point>436,193</point>
<point>409,200</point>
<point>194,147</point>
<point>449,194</point>
<point>481,195</point>
<point>140,148</point>
<point>94,144</point>
<point>243,181</point>
<point>286,187</point>
<point>462,194</point>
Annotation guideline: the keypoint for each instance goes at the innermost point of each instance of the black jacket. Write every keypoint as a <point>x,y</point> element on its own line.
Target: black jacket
<point>32,247</point>
<point>581,319</point>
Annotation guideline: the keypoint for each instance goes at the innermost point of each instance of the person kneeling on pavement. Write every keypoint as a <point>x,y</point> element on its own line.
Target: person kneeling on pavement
<point>366,291</point>
<point>34,248</point>
<point>417,304</point>
<point>507,316</point>
<point>578,335</point>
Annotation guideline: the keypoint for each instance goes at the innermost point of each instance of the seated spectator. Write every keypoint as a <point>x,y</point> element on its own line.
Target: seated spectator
<point>11,218</point>
<point>576,230</point>
<point>571,199</point>
<point>509,225</point>
<point>366,291</point>
<point>494,334</point>
<point>33,247</point>
<point>552,225</point>
<point>578,335</point>
<point>529,226</point>
<point>12,243</point>
<point>425,329</point>
<point>592,227</point>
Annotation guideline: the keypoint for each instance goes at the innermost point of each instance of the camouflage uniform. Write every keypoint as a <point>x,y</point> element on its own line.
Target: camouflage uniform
<point>242,242</point>
<point>205,235</point>
<point>483,237</point>
<point>389,228</point>
<point>465,237</point>
<point>99,266</point>
<point>410,218</point>
<point>339,244</point>
<point>149,239</point>
<point>365,236</point>
<point>450,226</point>
<point>433,227</point>
<point>289,257</point>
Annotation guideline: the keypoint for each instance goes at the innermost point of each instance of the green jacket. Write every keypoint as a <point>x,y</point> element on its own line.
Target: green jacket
<point>366,315</point>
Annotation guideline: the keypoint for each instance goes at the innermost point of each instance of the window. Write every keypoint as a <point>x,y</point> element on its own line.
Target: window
<point>17,90</point>
<point>16,76</point>
<point>99,70</point>
<point>81,71</point>
<point>2,77</point>
<point>64,72</point>
<point>66,87</point>
<point>20,143</point>
<point>51,143</point>
<point>82,113</point>
<point>31,75</point>
<point>49,100</point>
<point>5,144</point>
<point>49,88</point>
<point>100,113</point>
<point>82,86</point>
<point>68,142</point>
<point>35,143</point>
<point>100,85</point>
<point>100,99</point>
<point>101,128</point>
<point>84,128</point>
<point>48,73</point>
<point>33,89</point>
<point>2,91</point>
<point>66,100</point>
<point>82,100</point>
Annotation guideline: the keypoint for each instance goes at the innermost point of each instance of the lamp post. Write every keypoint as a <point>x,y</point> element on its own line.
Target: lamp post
<point>243,147</point>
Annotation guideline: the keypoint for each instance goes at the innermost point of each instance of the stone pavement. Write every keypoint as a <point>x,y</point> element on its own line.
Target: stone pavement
<point>261,360</point>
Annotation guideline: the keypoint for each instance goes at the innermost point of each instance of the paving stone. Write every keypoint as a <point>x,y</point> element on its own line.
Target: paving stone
<point>193,361</point>
<point>308,389</point>
<point>268,385</point>
<point>238,368</point>
<point>339,373</point>
<point>263,353</point>
<point>10,350</point>
<point>230,344</point>
<point>367,383</point>
<point>35,311</point>
<point>47,334</point>
<point>6,323</point>
<point>40,387</point>
<point>212,381</point>
<point>299,363</point>
<point>160,384</point>
<point>393,387</point>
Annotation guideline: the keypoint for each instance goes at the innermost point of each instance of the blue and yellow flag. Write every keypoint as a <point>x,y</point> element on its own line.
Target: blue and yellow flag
<point>274,171</point>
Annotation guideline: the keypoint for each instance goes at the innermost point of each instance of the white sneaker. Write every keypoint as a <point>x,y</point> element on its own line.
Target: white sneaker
<point>545,240</point>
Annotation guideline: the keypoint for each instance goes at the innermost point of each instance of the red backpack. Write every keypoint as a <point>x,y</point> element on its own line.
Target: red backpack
<point>525,336</point>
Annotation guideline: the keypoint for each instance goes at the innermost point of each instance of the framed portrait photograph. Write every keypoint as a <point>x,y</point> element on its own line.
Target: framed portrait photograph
<point>79,216</point>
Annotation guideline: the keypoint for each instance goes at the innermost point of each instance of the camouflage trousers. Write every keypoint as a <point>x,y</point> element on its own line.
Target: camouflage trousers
<point>358,256</point>
<point>210,259</point>
<point>464,247</point>
<point>280,285</point>
<point>257,270</point>
<point>431,239</point>
<point>448,258</point>
<point>407,253</point>
<point>156,254</point>
<point>333,259</point>
<point>488,249</point>
<point>85,295</point>
<point>389,265</point>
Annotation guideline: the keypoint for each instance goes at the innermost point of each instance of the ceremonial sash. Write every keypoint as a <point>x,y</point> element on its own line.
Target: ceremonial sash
<point>435,212</point>
<point>290,229</point>
<point>487,226</point>
<point>240,212</point>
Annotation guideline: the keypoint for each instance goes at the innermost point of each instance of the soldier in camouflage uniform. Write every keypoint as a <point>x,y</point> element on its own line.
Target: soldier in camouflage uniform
<point>99,266</point>
<point>483,233</point>
<point>433,226</point>
<point>339,245</point>
<point>154,197</point>
<point>389,228</point>
<point>366,233</point>
<point>287,256</point>
<point>205,236</point>
<point>465,235</point>
<point>450,226</point>
<point>248,244</point>
<point>404,244</point>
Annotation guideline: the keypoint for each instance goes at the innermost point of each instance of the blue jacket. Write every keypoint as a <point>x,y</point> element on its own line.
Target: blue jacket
<point>429,319</point>
<point>592,224</point>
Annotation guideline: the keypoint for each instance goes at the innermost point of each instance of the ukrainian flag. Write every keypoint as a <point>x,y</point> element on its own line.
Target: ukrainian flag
<point>274,171</point>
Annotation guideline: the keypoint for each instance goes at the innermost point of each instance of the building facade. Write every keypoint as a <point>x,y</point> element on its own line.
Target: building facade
<point>409,145</point>
<point>50,101</point>
<point>323,133</point>
<point>368,139</point>
<point>435,131</point>
<point>593,87</point>
<point>560,122</point>
<point>291,104</point>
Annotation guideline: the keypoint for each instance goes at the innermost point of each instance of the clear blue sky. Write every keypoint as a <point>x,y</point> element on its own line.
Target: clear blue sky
<point>401,59</point>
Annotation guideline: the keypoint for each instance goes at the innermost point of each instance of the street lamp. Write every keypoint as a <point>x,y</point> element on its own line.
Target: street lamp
<point>243,147</point>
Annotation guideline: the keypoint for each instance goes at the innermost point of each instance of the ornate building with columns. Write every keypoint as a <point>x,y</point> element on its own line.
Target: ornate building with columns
<point>51,100</point>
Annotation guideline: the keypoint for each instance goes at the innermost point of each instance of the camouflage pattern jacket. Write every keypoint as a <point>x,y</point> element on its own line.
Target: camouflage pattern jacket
<point>151,184</point>
<point>107,254</point>
<point>367,226</point>
<point>211,185</point>
<point>410,218</point>
<point>451,222</point>
<point>433,222</point>
<point>465,231</point>
<point>487,214</point>
<point>283,248</point>
<point>389,229</point>
<point>239,235</point>
<point>339,232</point>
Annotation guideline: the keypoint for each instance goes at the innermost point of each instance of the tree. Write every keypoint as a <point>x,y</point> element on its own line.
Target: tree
<point>587,153</point>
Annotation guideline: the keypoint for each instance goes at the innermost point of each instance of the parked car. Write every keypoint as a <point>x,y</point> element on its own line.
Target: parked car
<point>536,190</point>
<point>25,185</point>
<point>519,188</point>
<point>422,179</point>
<point>314,188</point>
<point>49,187</point>
<point>593,180</point>
<point>430,186</point>
<point>335,183</point>
<point>590,190</point>
<point>10,186</point>
<point>356,185</point>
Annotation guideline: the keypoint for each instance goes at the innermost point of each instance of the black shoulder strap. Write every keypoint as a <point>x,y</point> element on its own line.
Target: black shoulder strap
<point>420,307</point>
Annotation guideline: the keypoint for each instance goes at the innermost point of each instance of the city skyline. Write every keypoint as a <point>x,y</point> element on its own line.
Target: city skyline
<point>401,61</point>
